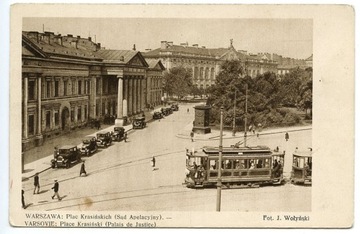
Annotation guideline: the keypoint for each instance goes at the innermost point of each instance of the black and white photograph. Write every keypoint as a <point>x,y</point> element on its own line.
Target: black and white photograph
<point>148,120</point>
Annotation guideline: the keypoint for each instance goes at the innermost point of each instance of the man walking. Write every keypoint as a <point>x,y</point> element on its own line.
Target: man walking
<point>153,161</point>
<point>82,169</point>
<point>56,191</point>
<point>125,137</point>
<point>23,199</point>
<point>286,136</point>
<point>192,136</point>
<point>36,183</point>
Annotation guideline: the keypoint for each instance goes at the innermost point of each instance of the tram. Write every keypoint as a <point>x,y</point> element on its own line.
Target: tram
<point>240,167</point>
<point>302,167</point>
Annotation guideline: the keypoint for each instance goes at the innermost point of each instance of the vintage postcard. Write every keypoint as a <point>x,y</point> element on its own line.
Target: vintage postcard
<point>127,116</point>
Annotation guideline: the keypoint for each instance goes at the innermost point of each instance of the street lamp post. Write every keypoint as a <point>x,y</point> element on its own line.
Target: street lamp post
<point>234,118</point>
<point>219,183</point>
<point>245,132</point>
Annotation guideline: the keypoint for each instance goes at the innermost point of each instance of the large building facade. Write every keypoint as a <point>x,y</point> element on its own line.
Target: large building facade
<point>67,81</point>
<point>205,63</point>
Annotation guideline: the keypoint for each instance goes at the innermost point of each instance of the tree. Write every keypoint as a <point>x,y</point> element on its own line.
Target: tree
<point>178,81</point>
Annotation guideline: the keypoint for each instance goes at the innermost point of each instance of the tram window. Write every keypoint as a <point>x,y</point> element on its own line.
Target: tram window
<point>252,164</point>
<point>310,162</point>
<point>301,162</point>
<point>267,163</point>
<point>228,164</point>
<point>259,163</point>
<point>213,164</point>
<point>236,164</point>
<point>243,164</point>
<point>194,161</point>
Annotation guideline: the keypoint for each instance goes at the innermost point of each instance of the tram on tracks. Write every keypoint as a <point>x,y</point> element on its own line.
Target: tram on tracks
<point>301,172</point>
<point>240,167</point>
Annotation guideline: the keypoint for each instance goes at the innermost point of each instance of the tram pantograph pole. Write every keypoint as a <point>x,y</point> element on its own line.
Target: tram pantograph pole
<point>219,183</point>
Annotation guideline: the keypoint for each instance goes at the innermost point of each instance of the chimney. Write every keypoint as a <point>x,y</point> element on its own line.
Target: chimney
<point>195,45</point>
<point>184,44</point>
<point>203,47</point>
<point>134,47</point>
<point>163,45</point>
<point>89,38</point>
<point>70,35</point>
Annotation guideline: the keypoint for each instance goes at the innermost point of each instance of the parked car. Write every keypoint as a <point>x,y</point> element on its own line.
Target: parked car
<point>118,133</point>
<point>89,146</point>
<point>103,139</point>
<point>169,110</point>
<point>65,156</point>
<point>157,115</point>
<point>139,122</point>
<point>175,107</point>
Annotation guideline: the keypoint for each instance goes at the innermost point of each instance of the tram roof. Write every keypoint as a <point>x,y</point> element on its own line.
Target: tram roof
<point>237,150</point>
<point>303,153</point>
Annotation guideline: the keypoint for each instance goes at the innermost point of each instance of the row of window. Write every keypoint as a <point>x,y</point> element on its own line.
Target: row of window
<point>57,88</point>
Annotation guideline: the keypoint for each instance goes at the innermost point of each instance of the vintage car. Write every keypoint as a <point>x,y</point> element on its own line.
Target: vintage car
<point>139,122</point>
<point>169,110</point>
<point>65,156</point>
<point>175,107</point>
<point>89,146</point>
<point>103,139</point>
<point>118,133</point>
<point>157,115</point>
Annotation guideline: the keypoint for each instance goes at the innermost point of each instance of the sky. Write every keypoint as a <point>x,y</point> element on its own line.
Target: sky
<point>287,37</point>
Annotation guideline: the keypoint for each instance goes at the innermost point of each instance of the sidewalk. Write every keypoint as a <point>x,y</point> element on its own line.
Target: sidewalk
<point>215,134</point>
<point>43,164</point>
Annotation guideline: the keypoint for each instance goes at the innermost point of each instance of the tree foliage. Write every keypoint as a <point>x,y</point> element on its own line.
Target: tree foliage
<point>178,81</point>
<point>265,96</point>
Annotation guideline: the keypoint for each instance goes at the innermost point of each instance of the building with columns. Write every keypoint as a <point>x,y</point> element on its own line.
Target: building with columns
<point>67,81</point>
<point>154,76</point>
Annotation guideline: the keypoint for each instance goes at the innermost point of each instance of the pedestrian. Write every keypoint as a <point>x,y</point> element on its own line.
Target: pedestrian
<point>23,199</point>
<point>82,169</point>
<point>192,136</point>
<point>56,190</point>
<point>36,183</point>
<point>153,161</point>
<point>187,110</point>
<point>125,136</point>
<point>55,151</point>
<point>286,136</point>
<point>98,124</point>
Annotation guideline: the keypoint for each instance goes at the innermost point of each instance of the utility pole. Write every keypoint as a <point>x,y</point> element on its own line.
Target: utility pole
<point>245,133</point>
<point>219,183</point>
<point>234,120</point>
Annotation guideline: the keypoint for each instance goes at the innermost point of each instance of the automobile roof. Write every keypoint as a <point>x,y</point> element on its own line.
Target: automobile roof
<point>67,146</point>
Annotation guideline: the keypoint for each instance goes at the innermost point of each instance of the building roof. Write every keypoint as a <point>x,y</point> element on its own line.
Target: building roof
<point>310,58</point>
<point>190,50</point>
<point>54,49</point>
<point>153,63</point>
<point>120,56</point>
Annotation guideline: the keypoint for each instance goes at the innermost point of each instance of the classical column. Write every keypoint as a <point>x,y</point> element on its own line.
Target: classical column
<point>39,105</point>
<point>135,103</point>
<point>25,117</point>
<point>92,103</point>
<point>130,101</point>
<point>143,93</point>
<point>126,96</point>
<point>120,120</point>
<point>138,100</point>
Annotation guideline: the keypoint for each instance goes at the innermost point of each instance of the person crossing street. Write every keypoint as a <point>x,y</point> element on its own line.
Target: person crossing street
<point>56,190</point>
